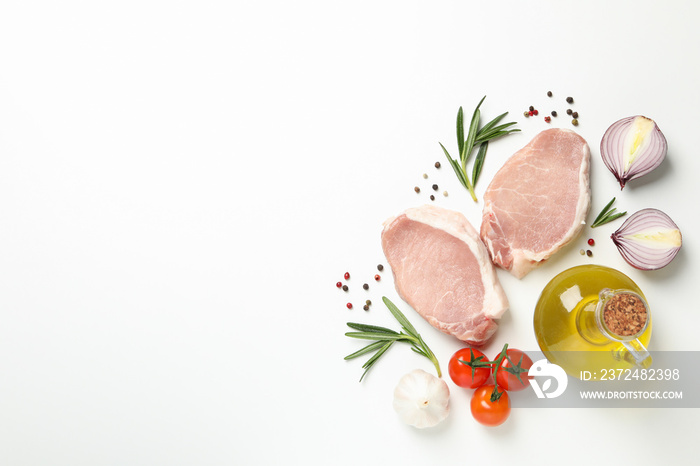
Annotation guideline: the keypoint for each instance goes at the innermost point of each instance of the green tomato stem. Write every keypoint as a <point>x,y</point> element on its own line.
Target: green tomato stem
<point>495,395</point>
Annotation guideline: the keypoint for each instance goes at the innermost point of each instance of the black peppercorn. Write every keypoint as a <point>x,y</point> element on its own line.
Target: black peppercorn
<point>365,307</point>
<point>435,187</point>
<point>437,164</point>
<point>569,111</point>
<point>569,100</point>
<point>432,198</point>
<point>345,287</point>
<point>549,93</point>
<point>589,253</point>
<point>365,286</point>
<point>532,109</point>
<point>380,267</point>
<point>554,113</point>
<point>575,114</point>
<point>416,189</point>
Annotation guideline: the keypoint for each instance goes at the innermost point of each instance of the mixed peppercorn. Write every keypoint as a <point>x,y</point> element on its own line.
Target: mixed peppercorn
<point>434,186</point>
<point>588,252</point>
<point>532,111</point>
<point>365,286</point>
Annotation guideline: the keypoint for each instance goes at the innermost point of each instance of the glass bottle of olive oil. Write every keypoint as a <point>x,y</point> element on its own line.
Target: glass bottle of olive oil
<point>566,327</point>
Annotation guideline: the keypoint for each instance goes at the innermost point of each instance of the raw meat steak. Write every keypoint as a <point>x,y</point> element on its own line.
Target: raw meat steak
<point>538,201</point>
<point>442,269</point>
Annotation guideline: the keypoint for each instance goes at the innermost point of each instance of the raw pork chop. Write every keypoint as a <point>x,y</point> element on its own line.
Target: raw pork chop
<point>442,269</point>
<point>538,201</point>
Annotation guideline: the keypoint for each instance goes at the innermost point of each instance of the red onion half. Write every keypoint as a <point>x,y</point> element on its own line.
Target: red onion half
<point>632,147</point>
<point>648,240</point>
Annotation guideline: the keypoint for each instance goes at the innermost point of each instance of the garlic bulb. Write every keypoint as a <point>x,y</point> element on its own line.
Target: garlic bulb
<point>421,399</point>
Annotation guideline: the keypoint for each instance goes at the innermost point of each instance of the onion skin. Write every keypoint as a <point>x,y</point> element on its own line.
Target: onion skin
<point>633,147</point>
<point>648,240</point>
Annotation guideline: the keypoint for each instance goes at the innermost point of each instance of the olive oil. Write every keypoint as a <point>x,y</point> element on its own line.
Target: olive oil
<point>565,324</point>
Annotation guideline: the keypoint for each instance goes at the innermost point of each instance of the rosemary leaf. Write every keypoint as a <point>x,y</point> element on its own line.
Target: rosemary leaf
<point>604,211</point>
<point>378,354</point>
<point>370,328</point>
<point>417,349</point>
<point>491,124</point>
<point>498,135</point>
<point>447,154</point>
<point>374,335</point>
<point>479,162</point>
<point>607,215</point>
<point>460,130</point>
<point>370,362</point>
<point>457,169</point>
<point>367,349</point>
<point>610,218</point>
<point>493,133</point>
<point>410,329</point>
<point>471,136</point>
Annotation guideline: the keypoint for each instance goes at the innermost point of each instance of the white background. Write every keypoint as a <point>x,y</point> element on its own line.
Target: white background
<point>182,183</point>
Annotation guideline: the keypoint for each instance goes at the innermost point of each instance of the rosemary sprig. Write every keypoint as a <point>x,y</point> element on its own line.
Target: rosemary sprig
<point>607,215</point>
<point>475,136</point>
<point>385,337</point>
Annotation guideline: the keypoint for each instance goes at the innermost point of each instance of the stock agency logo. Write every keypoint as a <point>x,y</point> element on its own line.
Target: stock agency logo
<point>548,371</point>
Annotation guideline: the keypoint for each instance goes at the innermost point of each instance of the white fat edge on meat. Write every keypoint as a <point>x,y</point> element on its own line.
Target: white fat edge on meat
<point>457,225</point>
<point>582,208</point>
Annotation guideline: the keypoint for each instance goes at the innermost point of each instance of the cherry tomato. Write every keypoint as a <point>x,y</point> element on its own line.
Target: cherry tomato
<point>487,412</point>
<point>467,376</point>
<point>508,380</point>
